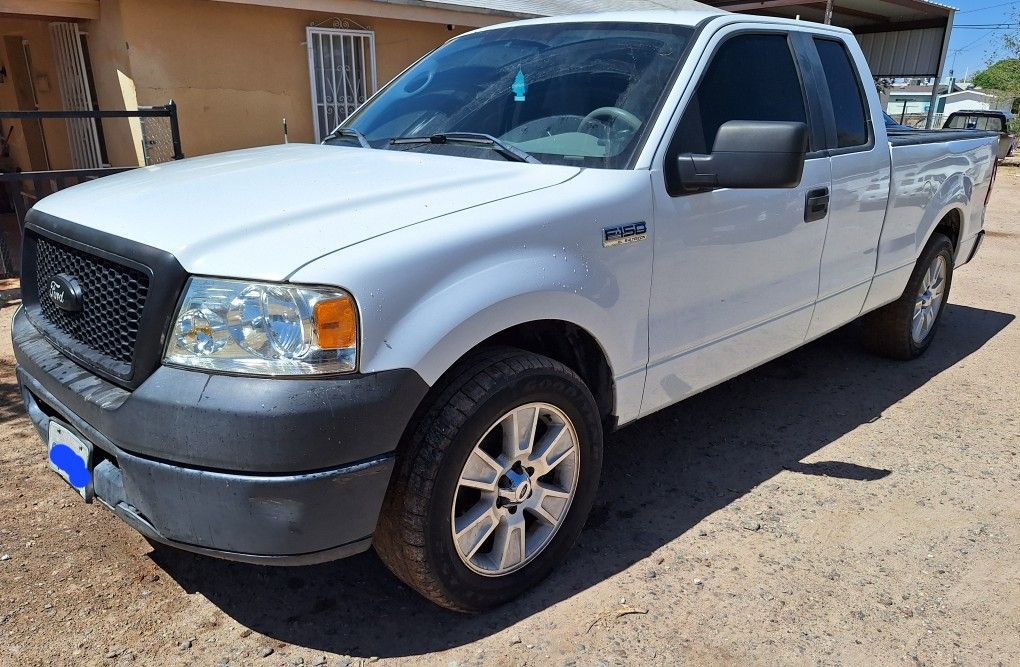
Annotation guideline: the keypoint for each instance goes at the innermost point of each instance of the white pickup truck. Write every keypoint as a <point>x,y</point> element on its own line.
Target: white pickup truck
<point>415,336</point>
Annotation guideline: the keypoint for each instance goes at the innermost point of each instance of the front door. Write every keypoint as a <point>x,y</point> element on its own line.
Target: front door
<point>735,273</point>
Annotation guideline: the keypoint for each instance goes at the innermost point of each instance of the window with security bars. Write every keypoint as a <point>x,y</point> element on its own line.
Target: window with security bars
<point>341,64</point>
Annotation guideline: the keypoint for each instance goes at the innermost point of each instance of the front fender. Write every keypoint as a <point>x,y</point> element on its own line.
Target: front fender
<point>431,292</point>
<point>442,346</point>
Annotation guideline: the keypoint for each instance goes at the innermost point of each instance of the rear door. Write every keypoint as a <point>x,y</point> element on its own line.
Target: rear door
<point>735,271</point>
<point>860,166</point>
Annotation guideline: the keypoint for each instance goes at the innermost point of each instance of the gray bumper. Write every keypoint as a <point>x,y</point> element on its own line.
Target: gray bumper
<point>261,470</point>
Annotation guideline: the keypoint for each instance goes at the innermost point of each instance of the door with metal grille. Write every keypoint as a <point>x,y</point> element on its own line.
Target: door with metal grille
<point>83,134</point>
<point>341,64</point>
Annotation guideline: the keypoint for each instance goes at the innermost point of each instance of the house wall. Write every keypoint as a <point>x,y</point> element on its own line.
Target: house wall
<point>44,75</point>
<point>968,101</point>
<point>915,104</point>
<point>111,67</point>
<point>234,70</point>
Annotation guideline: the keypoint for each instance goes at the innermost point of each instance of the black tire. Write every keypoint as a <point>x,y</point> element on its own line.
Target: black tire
<point>887,330</point>
<point>414,536</point>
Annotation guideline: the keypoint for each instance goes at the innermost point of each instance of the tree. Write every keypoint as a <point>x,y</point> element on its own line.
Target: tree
<point>1010,40</point>
<point>1003,75</point>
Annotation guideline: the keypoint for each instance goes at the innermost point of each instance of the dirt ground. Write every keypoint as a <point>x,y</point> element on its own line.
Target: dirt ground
<point>828,508</point>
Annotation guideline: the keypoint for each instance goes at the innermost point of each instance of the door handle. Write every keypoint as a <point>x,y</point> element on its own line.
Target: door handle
<point>816,204</point>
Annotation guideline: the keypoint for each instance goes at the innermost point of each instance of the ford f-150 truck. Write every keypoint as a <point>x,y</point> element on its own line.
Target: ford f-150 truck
<point>415,335</point>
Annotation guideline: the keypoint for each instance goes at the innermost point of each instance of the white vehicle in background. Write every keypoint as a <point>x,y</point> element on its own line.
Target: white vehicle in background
<point>415,336</point>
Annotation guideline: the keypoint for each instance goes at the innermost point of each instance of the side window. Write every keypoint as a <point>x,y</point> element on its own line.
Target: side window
<point>751,77</point>
<point>845,91</point>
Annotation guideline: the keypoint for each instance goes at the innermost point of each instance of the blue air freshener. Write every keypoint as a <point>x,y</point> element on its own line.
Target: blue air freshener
<point>520,86</point>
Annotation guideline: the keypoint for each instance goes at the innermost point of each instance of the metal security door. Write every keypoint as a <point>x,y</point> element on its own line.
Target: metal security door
<point>341,64</point>
<point>74,92</point>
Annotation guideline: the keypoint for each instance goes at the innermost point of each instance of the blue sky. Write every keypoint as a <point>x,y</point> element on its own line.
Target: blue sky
<point>971,47</point>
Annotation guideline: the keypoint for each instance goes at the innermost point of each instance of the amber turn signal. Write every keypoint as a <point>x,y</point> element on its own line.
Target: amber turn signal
<point>336,324</point>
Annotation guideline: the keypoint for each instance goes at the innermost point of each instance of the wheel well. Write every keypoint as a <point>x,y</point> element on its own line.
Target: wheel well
<point>570,345</point>
<point>949,226</point>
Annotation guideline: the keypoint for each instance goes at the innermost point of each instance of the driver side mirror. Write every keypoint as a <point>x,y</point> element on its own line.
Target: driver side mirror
<point>746,154</point>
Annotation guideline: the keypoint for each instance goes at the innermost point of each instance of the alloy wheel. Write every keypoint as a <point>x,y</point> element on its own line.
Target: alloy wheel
<point>929,300</point>
<point>515,489</point>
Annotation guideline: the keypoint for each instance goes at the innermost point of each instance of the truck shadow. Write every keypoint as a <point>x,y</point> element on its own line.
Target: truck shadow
<point>678,466</point>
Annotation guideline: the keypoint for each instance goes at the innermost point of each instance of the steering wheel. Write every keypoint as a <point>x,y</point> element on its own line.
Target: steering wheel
<point>612,114</point>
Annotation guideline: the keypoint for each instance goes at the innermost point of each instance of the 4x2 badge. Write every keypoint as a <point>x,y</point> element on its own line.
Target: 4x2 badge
<point>635,231</point>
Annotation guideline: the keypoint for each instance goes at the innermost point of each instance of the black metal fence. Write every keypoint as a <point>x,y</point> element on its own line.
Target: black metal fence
<point>24,188</point>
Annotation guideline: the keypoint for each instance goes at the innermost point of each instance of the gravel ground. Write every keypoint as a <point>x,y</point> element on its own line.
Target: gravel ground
<point>827,508</point>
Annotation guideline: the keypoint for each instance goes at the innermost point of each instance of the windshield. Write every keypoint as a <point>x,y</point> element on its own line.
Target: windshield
<point>578,94</point>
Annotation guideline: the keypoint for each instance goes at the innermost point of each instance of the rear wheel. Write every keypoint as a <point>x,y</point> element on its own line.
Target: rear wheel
<point>905,328</point>
<point>494,485</point>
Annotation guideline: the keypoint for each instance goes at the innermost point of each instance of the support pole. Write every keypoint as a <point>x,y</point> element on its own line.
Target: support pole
<point>932,104</point>
<point>938,73</point>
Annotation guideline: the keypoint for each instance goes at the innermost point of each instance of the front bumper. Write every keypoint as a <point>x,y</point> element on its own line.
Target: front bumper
<point>277,471</point>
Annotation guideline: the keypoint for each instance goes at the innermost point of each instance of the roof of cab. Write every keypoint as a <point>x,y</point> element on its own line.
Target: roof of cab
<point>662,16</point>
<point>667,16</point>
<point>526,9</point>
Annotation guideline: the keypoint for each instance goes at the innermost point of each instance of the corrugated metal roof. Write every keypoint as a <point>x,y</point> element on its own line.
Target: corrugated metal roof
<point>535,8</point>
<point>939,4</point>
<point>904,53</point>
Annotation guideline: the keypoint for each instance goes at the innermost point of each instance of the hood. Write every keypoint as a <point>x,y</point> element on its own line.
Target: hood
<point>262,213</point>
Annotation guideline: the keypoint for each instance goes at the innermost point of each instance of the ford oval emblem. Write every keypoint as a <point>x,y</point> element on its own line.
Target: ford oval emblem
<point>65,292</point>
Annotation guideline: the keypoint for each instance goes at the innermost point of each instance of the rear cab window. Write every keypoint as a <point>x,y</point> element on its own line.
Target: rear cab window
<point>848,106</point>
<point>975,122</point>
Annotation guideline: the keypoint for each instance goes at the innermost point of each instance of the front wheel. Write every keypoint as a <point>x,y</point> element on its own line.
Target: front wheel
<point>905,328</point>
<point>494,485</point>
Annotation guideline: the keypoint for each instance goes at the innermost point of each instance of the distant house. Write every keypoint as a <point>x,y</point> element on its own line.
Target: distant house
<point>914,100</point>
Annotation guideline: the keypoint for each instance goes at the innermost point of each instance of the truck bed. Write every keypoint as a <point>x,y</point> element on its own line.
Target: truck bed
<point>930,169</point>
<point>915,137</point>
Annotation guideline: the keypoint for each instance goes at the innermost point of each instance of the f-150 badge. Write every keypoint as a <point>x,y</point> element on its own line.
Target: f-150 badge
<point>620,234</point>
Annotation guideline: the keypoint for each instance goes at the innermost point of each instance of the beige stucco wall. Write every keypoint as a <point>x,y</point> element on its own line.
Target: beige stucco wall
<point>235,70</point>
<point>36,33</point>
<point>111,67</point>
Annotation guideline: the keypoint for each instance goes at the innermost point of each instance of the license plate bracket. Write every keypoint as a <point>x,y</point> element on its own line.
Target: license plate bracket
<point>70,456</point>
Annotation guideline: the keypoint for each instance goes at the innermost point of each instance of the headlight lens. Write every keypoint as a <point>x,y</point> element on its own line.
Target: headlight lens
<point>237,326</point>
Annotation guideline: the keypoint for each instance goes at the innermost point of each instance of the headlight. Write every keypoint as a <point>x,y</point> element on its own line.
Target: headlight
<point>237,326</point>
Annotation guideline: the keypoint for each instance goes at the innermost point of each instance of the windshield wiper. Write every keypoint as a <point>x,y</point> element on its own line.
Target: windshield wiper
<point>348,132</point>
<point>470,139</point>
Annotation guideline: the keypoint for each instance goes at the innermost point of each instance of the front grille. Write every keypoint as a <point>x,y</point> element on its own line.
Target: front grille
<point>113,296</point>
